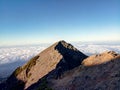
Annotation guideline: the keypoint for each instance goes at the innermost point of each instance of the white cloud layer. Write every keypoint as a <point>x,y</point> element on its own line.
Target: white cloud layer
<point>90,49</point>
<point>12,57</point>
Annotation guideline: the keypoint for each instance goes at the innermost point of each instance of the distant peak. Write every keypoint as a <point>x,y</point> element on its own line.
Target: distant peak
<point>64,44</point>
<point>62,41</point>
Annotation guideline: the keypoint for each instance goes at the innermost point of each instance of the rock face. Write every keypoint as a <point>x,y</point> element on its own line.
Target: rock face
<point>49,64</point>
<point>63,67</point>
<point>97,72</point>
<point>100,58</point>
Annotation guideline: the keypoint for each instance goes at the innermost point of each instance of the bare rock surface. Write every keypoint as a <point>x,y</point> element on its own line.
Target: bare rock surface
<point>63,67</point>
<point>97,72</point>
<point>55,60</point>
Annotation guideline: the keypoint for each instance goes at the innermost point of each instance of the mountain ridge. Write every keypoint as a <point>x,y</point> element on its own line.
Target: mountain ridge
<point>56,59</point>
<point>102,76</point>
<point>63,67</point>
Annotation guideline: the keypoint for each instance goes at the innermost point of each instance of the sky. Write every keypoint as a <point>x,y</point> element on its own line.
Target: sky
<point>42,21</point>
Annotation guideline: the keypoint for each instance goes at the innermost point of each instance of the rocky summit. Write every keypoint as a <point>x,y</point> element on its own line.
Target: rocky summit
<point>63,67</point>
<point>51,63</point>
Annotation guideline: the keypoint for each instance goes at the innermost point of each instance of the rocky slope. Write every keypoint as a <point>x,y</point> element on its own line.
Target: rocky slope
<point>63,67</point>
<point>49,64</point>
<point>97,72</point>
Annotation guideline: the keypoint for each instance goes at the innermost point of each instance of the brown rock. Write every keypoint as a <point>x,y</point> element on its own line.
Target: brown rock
<point>54,61</point>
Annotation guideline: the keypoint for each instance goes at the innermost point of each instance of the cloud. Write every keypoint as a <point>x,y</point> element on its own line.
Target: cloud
<point>13,57</point>
<point>90,49</point>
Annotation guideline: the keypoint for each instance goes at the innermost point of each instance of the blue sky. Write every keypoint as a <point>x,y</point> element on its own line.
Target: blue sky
<point>41,21</point>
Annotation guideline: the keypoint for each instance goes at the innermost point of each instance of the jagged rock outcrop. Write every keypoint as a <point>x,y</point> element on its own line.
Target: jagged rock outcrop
<point>51,64</point>
<point>100,58</point>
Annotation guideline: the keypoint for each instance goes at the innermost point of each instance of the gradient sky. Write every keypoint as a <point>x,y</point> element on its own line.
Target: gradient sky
<point>36,21</point>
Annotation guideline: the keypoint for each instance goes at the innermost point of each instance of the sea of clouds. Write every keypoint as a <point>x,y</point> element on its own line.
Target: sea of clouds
<point>13,57</point>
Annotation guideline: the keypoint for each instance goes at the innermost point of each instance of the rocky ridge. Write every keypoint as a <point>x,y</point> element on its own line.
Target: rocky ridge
<point>52,63</point>
<point>63,67</point>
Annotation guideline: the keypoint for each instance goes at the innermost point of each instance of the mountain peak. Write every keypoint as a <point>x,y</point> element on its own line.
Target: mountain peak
<point>52,63</point>
<point>65,44</point>
<point>60,64</point>
<point>62,41</point>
